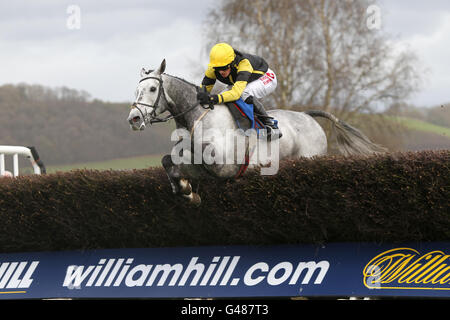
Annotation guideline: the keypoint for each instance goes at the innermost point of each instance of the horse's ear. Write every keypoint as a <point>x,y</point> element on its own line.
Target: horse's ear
<point>162,67</point>
<point>143,72</point>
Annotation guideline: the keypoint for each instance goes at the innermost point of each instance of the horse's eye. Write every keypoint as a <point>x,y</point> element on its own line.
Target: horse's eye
<point>152,89</point>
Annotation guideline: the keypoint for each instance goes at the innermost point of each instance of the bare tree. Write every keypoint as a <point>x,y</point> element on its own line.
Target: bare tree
<point>322,51</point>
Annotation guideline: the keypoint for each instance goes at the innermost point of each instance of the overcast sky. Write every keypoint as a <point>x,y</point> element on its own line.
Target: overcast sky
<point>116,38</point>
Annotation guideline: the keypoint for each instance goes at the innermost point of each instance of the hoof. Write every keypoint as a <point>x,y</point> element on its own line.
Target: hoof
<point>185,187</point>
<point>194,199</point>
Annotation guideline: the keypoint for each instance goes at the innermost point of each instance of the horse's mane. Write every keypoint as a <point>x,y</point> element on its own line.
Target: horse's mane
<point>181,79</point>
<point>178,78</point>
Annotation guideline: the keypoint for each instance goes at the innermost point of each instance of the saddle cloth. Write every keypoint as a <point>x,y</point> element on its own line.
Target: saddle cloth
<point>244,116</point>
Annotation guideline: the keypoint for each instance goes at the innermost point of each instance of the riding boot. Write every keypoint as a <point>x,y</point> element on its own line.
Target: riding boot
<point>272,129</point>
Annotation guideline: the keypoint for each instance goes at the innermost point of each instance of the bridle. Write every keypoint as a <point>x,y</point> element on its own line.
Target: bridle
<point>152,117</point>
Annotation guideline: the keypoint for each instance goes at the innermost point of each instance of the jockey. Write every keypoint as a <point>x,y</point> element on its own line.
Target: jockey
<point>248,75</point>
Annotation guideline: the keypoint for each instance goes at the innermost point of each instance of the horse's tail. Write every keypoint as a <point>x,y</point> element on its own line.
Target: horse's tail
<point>350,140</point>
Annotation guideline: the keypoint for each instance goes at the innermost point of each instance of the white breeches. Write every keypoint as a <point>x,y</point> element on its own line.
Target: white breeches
<point>261,87</point>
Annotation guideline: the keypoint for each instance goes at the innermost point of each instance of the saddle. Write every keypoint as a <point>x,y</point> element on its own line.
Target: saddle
<point>244,116</point>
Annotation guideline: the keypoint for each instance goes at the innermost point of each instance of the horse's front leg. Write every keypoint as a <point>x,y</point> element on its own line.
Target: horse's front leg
<point>180,185</point>
<point>173,173</point>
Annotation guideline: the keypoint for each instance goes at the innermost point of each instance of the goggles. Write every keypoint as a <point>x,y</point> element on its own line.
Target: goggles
<point>222,68</point>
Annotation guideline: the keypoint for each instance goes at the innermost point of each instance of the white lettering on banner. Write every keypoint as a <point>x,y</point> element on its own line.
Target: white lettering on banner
<point>166,269</point>
<point>114,272</point>
<point>311,267</point>
<point>248,280</point>
<point>271,277</point>
<point>263,268</point>
<point>11,274</point>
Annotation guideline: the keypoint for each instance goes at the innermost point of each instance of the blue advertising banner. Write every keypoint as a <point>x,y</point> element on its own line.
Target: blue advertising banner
<point>341,269</point>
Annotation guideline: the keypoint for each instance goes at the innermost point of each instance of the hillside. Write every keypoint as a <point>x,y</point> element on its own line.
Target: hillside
<point>419,135</point>
<point>424,126</point>
<point>421,128</point>
<point>68,127</point>
<point>129,163</point>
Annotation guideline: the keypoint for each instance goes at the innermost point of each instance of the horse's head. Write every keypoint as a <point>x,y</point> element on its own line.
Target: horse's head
<point>150,98</point>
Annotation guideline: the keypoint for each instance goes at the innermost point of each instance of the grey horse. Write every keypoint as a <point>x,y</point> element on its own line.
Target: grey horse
<point>202,136</point>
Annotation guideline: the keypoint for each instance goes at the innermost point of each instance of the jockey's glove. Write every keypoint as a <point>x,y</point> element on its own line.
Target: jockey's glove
<point>205,98</point>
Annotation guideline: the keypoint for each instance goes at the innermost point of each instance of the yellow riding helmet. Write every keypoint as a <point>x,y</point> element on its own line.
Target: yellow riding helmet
<point>222,54</point>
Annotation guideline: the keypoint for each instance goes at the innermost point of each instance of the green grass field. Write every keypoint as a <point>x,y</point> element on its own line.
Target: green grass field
<point>420,125</point>
<point>140,162</point>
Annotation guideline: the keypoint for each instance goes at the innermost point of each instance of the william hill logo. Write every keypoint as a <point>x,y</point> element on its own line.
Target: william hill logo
<point>406,268</point>
<point>16,275</point>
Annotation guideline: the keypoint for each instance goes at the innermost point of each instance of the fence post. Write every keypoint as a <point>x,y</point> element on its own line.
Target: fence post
<point>15,151</point>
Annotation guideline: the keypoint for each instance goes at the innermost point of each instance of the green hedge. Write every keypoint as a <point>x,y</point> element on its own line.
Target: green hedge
<point>389,198</point>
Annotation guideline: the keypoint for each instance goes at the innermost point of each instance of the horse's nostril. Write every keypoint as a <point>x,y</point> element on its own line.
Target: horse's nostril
<point>136,119</point>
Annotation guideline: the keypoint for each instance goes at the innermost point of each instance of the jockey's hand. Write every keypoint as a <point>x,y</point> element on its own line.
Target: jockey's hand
<point>205,98</point>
